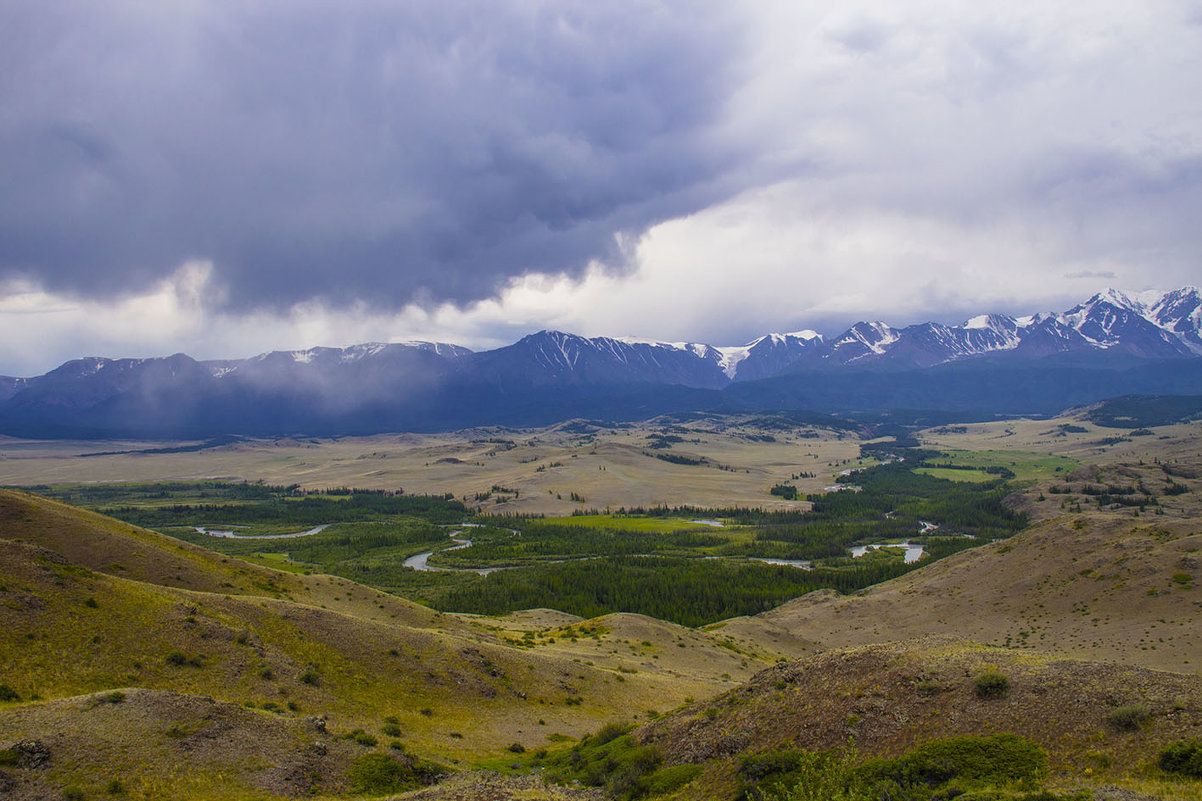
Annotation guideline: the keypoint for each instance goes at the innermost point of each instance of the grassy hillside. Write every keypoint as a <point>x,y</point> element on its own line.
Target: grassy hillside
<point>1098,585</point>
<point>288,646</point>
<point>1099,723</point>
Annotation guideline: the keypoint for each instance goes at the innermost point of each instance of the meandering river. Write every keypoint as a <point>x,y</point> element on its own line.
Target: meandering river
<point>233,535</point>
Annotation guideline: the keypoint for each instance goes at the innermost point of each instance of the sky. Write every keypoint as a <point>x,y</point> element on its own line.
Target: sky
<point>227,177</point>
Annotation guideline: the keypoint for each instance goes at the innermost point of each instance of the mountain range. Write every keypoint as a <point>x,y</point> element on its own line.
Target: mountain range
<point>1114,343</point>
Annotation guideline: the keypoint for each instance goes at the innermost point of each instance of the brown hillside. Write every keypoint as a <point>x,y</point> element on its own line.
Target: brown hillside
<point>888,698</point>
<point>1096,586</point>
<point>164,744</point>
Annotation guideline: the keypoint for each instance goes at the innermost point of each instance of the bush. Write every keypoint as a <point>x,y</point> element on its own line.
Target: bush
<point>380,773</point>
<point>608,733</point>
<point>115,697</point>
<point>974,760</point>
<point>8,693</point>
<point>617,763</point>
<point>1130,717</point>
<point>362,738</point>
<point>757,767</point>
<point>309,677</point>
<point>517,748</point>
<point>669,780</point>
<point>179,659</point>
<point>992,684</point>
<point>1184,757</point>
<point>391,730</point>
<point>826,776</point>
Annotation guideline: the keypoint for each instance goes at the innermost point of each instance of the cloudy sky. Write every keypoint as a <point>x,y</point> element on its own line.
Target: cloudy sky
<point>224,177</point>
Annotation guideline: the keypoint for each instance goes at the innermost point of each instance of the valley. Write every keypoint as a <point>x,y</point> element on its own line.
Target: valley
<point>125,649</point>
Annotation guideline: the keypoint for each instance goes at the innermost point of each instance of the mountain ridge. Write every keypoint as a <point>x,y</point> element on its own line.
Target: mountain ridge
<point>552,375</point>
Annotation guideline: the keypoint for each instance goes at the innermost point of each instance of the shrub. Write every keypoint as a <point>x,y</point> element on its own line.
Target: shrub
<point>607,733</point>
<point>381,773</point>
<point>826,776</point>
<point>992,684</point>
<point>971,759</point>
<point>391,730</point>
<point>115,787</point>
<point>309,677</point>
<point>757,767</point>
<point>115,697</point>
<point>1184,757</point>
<point>619,764</point>
<point>517,748</point>
<point>669,780</point>
<point>8,693</point>
<point>179,659</point>
<point>1130,717</point>
<point>9,756</point>
<point>362,738</point>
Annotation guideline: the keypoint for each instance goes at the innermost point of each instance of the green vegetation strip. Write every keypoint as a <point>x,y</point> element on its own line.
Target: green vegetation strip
<point>657,562</point>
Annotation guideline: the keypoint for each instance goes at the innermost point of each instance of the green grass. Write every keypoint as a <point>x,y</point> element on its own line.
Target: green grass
<point>1026,465</point>
<point>975,476</point>
<point>640,523</point>
<point>278,561</point>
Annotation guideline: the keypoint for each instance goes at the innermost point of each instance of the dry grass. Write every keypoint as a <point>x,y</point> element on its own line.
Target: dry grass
<point>889,698</point>
<point>607,467</point>
<point>461,688</point>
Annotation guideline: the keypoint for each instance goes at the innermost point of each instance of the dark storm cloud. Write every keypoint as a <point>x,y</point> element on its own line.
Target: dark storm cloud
<point>372,150</point>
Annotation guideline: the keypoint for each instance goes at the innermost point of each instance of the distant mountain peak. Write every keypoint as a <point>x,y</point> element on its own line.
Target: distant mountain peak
<point>376,386</point>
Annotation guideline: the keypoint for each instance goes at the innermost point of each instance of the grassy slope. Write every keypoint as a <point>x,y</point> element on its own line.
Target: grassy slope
<point>1092,585</point>
<point>1098,585</point>
<point>888,698</point>
<point>1103,585</point>
<point>460,687</point>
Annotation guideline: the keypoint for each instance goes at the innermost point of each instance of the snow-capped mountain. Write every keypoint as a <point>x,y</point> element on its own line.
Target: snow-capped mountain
<point>556,357</point>
<point>766,356</point>
<point>1149,325</point>
<point>554,375</point>
<point>1180,312</point>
